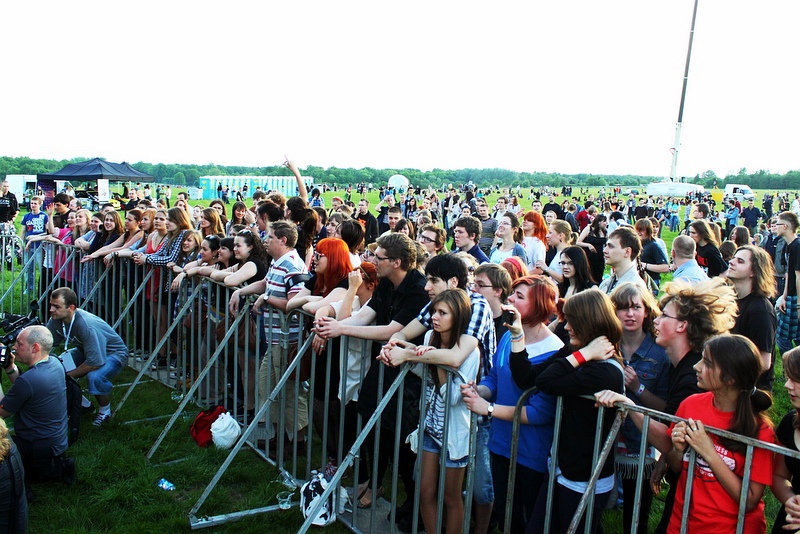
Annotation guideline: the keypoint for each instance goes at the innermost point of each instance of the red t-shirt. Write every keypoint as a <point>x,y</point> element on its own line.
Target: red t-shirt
<point>712,510</point>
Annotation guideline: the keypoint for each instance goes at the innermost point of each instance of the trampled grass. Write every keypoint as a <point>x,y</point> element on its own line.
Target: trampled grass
<point>116,487</point>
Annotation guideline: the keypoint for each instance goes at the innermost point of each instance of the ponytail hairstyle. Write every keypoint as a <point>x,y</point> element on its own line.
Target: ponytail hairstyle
<point>739,363</point>
<point>791,368</point>
<point>562,227</point>
<point>517,232</point>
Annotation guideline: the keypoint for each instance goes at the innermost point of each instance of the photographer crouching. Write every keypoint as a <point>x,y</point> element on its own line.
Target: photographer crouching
<point>97,352</point>
<point>38,403</point>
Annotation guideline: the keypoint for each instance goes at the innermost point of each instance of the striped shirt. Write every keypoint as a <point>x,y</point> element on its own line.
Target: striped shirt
<point>285,266</point>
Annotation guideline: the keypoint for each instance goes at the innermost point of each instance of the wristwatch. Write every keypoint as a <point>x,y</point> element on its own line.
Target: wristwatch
<point>490,411</point>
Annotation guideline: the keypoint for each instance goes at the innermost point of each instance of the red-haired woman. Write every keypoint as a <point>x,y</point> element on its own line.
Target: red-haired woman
<point>328,285</point>
<point>535,229</point>
<point>532,301</point>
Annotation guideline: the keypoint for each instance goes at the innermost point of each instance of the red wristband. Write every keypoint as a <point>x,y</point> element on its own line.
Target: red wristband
<point>578,356</point>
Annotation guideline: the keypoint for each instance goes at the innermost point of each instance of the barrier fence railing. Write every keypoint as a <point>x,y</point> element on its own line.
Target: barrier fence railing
<point>14,262</point>
<point>265,372</point>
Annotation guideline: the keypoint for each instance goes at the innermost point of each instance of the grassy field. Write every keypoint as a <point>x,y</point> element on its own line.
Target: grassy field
<point>116,489</point>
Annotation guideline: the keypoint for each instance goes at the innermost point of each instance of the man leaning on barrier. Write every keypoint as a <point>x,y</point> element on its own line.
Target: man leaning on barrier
<point>98,352</point>
<point>286,263</point>
<point>37,400</point>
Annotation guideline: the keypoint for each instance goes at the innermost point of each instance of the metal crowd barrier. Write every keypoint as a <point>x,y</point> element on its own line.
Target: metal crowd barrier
<point>15,263</point>
<point>326,437</point>
<point>220,359</point>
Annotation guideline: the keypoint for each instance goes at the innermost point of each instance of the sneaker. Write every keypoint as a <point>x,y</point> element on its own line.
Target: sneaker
<point>173,362</point>
<point>160,363</point>
<point>101,419</point>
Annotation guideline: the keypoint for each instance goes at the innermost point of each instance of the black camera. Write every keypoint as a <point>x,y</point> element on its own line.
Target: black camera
<point>12,325</point>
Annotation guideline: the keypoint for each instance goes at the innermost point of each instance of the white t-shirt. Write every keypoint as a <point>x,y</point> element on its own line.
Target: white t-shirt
<point>535,250</point>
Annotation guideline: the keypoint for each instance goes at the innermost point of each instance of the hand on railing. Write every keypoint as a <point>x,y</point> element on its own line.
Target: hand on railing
<point>318,344</point>
<point>176,282</point>
<point>397,351</point>
<point>328,327</point>
<point>233,304</point>
<point>694,435</point>
<point>608,398</point>
<point>475,403</point>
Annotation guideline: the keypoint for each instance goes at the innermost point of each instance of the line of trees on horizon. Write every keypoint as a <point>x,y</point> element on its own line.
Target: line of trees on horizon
<point>189,175</point>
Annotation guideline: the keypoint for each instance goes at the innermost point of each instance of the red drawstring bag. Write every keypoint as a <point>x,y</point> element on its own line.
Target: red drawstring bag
<point>201,428</point>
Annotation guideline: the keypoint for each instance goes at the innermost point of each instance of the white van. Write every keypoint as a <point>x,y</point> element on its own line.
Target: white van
<point>739,192</point>
<point>672,189</point>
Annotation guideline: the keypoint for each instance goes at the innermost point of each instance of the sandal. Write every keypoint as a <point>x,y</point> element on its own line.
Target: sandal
<point>368,503</point>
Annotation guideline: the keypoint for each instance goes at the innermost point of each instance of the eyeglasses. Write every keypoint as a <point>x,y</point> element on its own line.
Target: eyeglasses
<point>566,263</point>
<point>367,254</point>
<point>381,259</point>
<point>668,316</point>
<point>425,239</point>
<point>483,286</point>
<point>318,255</point>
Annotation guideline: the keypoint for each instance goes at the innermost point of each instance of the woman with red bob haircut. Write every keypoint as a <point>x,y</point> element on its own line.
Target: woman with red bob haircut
<point>331,260</point>
<point>534,228</point>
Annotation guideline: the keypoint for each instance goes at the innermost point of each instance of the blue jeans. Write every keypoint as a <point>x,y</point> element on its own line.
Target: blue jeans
<point>31,270</point>
<point>483,486</point>
<point>100,379</point>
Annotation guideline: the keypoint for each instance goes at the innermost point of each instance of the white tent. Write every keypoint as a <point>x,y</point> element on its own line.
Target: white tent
<point>399,182</point>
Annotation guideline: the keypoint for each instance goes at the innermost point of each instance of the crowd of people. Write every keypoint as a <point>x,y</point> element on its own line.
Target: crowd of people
<point>486,302</point>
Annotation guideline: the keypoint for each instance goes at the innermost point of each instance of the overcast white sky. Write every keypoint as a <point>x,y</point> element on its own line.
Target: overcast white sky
<point>567,86</point>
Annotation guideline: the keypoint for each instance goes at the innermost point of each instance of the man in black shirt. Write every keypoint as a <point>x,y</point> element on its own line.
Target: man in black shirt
<point>750,270</point>
<point>9,207</point>
<point>397,301</point>
<point>553,206</point>
<point>786,305</point>
<point>368,220</point>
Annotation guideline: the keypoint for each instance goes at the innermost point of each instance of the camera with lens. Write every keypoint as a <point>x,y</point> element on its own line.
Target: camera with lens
<point>12,325</point>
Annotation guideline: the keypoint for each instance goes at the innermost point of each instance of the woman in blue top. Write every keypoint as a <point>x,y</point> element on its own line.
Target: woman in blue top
<point>532,301</point>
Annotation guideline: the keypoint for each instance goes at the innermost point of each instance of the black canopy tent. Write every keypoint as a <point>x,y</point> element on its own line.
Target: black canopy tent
<point>94,169</point>
<point>89,171</point>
